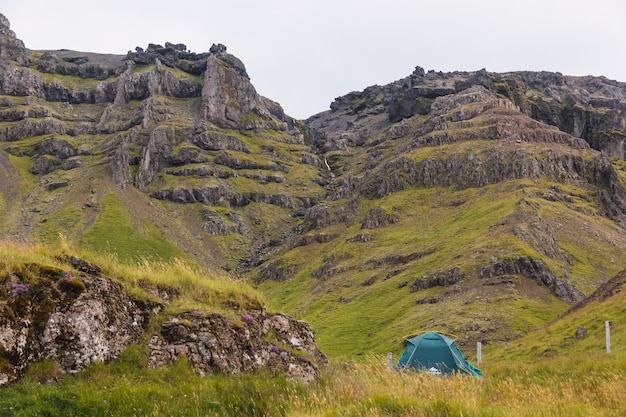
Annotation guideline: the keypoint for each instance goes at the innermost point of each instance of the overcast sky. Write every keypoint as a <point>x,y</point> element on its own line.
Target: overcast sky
<point>304,53</point>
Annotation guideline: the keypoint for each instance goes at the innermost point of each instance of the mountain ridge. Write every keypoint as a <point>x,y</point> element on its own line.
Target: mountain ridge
<point>476,202</point>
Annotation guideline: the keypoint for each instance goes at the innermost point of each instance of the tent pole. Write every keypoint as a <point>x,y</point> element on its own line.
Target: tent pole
<point>412,353</point>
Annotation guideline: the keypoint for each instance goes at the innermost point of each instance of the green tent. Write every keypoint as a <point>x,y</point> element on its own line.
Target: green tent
<point>435,353</point>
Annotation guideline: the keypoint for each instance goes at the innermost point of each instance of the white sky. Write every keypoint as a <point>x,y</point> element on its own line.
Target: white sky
<point>304,53</point>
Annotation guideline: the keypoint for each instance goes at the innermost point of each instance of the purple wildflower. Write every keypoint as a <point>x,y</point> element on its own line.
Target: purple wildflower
<point>288,352</point>
<point>196,313</point>
<point>17,289</point>
<point>249,319</point>
<point>303,359</point>
<point>275,349</point>
<point>67,276</point>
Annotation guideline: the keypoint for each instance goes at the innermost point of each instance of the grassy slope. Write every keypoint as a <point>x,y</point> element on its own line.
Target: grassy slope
<point>114,232</point>
<point>362,308</point>
<point>559,337</point>
<point>351,318</point>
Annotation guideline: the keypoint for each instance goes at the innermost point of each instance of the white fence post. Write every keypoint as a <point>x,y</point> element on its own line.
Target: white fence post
<point>479,353</point>
<point>607,327</point>
<point>389,359</point>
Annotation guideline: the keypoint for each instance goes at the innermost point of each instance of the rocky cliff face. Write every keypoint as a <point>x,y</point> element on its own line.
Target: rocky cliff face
<point>590,108</point>
<point>476,114</point>
<point>181,127</point>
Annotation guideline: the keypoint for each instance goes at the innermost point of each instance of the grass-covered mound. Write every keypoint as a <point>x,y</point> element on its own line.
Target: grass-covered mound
<point>76,312</point>
<point>194,287</point>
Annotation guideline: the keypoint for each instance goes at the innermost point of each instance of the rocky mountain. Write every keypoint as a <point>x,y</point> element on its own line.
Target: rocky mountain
<point>164,130</point>
<point>453,208</point>
<point>156,155</point>
<point>476,203</point>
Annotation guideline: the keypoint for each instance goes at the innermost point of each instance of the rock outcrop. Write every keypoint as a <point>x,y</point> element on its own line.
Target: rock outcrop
<point>80,318</point>
<point>73,319</point>
<point>11,48</point>
<point>537,270</point>
<point>441,279</point>
<point>377,217</point>
<point>214,344</point>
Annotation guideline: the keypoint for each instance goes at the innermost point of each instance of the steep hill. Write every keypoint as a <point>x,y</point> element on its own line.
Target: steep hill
<point>476,203</point>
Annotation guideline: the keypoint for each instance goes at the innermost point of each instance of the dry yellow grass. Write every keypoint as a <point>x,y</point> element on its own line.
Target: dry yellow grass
<point>543,388</point>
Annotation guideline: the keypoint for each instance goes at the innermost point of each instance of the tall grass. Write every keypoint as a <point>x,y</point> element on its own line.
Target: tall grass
<point>590,387</point>
<point>196,288</point>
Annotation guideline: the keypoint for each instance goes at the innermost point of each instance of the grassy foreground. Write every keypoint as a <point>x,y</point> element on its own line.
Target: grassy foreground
<point>588,386</point>
<point>516,383</point>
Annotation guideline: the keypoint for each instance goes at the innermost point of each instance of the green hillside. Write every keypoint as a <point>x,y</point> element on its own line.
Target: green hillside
<point>159,196</point>
<point>375,267</point>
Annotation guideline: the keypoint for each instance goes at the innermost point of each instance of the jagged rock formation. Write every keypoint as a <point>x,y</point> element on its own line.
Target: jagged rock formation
<point>181,127</point>
<point>590,108</point>
<point>477,114</point>
<point>536,270</point>
<point>77,319</point>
